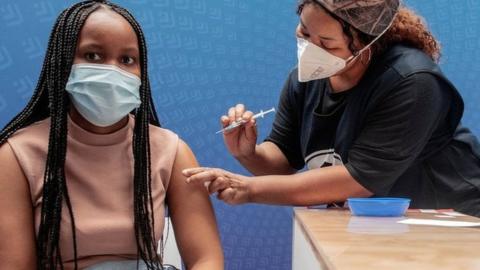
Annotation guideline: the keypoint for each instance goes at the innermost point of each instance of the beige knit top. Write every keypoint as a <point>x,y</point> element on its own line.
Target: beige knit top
<point>99,173</point>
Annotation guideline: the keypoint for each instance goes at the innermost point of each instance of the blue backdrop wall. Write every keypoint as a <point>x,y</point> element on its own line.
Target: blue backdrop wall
<point>206,55</point>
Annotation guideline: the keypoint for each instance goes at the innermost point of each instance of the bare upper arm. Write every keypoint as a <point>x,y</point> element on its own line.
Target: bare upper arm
<point>192,216</point>
<point>17,232</point>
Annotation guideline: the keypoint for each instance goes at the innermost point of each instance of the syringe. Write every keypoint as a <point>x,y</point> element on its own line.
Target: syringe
<point>242,122</point>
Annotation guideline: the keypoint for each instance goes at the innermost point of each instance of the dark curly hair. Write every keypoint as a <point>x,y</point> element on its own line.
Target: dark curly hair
<point>408,28</point>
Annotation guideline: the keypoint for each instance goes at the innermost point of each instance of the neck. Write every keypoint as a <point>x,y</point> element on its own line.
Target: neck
<point>83,123</point>
<point>350,77</point>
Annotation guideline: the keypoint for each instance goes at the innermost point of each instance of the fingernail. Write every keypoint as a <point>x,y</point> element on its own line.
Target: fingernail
<point>188,180</point>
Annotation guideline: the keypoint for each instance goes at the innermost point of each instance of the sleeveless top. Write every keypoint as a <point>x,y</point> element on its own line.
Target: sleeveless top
<point>99,175</point>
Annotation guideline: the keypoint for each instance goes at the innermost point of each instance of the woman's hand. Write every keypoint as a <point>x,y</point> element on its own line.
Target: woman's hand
<point>230,188</point>
<point>241,141</point>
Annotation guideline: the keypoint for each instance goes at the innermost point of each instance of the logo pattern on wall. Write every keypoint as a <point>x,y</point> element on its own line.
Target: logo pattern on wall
<point>207,55</point>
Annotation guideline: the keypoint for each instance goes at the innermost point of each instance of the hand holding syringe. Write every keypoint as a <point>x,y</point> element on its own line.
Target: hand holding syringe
<point>243,122</point>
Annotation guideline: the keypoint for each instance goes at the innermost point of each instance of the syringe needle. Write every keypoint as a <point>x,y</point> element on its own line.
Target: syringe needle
<point>232,126</point>
<point>242,122</point>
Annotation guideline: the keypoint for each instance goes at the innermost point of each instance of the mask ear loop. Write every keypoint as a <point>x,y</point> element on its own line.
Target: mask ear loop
<point>368,46</point>
<point>360,53</point>
<point>369,57</point>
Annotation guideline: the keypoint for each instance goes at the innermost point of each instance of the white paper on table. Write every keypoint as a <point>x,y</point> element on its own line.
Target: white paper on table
<point>454,214</point>
<point>444,216</point>
<point>431,211</point>
<point>434,222</point>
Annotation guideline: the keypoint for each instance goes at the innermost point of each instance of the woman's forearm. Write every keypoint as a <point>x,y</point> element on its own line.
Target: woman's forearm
<point>266,160</point>
<point>319,186</point>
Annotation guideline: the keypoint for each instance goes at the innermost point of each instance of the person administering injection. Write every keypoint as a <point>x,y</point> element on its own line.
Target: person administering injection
<point>366,112</point>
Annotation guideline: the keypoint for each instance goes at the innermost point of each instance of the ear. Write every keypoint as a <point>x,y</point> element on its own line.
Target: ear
<point>366,56</point>
<point>357,42</point>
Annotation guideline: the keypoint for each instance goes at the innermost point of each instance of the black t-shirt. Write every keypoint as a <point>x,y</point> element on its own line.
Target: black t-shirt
<point>406,119</point>
<point>392,153</point>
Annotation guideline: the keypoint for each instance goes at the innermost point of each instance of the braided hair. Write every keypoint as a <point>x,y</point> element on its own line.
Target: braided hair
<point>51,100</point>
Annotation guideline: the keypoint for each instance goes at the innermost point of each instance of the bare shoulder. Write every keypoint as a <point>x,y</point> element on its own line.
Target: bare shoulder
<point>12,177</point>
<point>185,157</point>
<point>184,149</point>
<point>8,160</point>
<point>17,226</point>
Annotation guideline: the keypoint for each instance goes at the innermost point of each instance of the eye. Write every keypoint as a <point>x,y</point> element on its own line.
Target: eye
<point>327,46</point>
<point>92,56</point>
<point>322,44</point>
<point>304,33</point>
<point>127,60</point>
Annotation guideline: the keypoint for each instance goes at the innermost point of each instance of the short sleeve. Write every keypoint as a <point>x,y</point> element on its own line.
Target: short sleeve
<point>397,131</point>
<point>285,130</point>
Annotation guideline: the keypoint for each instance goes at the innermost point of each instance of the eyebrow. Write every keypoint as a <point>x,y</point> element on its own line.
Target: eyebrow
<point>131,49</point>
<point>96,46</point>
<point>322,37</point>
<point>90,46</point>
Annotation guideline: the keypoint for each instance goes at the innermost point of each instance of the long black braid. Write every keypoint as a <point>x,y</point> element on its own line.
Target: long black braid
<point>143,202</point>
<point>50,100</point>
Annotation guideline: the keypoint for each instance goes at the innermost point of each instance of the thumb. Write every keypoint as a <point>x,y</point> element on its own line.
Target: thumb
<point>226,195</point>
<point>251,130</point>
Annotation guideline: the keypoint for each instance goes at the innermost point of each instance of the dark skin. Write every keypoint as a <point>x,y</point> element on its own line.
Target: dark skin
<point>276,182</point>
<point>107,38</point>
<point>318,27</point>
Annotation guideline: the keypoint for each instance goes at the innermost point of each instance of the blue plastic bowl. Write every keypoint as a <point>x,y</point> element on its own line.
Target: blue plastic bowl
<point>378,207</point>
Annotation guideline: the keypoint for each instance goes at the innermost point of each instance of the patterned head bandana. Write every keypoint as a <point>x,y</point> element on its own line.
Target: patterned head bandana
<point>371,17</point>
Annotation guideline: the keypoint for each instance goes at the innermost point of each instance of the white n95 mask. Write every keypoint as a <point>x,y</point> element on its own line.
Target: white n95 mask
<point>315,63</point>
<point>103,94</point>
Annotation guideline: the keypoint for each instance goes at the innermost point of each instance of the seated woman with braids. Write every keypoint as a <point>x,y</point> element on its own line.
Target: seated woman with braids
<point>86,170</point>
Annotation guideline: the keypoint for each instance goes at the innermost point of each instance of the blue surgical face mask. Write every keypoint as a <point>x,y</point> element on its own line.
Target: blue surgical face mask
<point>103,94</point>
